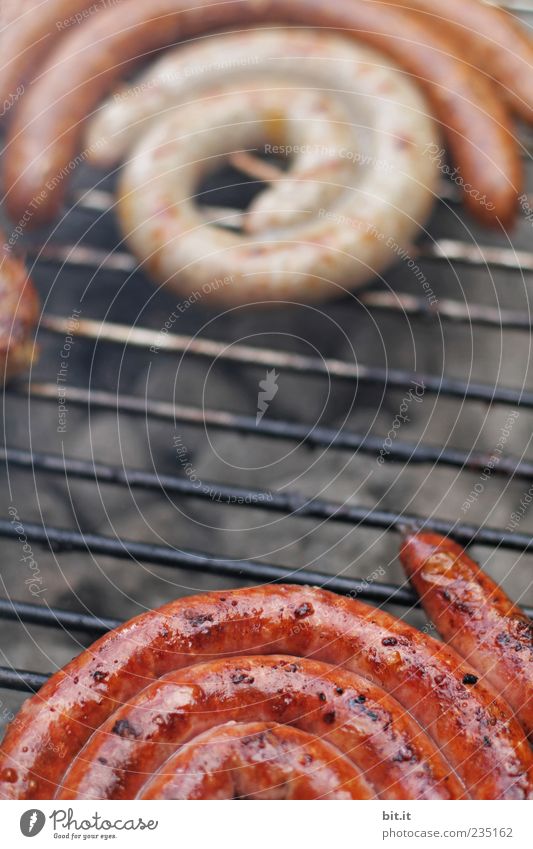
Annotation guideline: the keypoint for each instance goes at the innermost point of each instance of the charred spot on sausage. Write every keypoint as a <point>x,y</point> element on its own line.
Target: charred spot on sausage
<point>125,729</point>
<point>304,610</point>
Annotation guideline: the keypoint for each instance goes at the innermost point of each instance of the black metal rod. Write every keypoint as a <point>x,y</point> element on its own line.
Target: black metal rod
<point>21,679</point>
<point>418,306</point>
<point>64,539</point>
<point>270,428</point>
<point>300,364</point>
<point>54,617</point>
<point>294,503</point>
<point>446,310</point>
<point>61,539</point>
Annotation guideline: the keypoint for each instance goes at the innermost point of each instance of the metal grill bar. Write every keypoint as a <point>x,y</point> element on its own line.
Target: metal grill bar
<point>441,250</point>
<point>271,428</point>
<point>21,680</point>
<point>54,617</point>
<point>194,416</point>
<point>447,310</point>
<point>60,539</point>
<point>26,681</point>
<point>406,304</point>
<point>511,5</point>
<point>297,364</point>
<point>248,355</point>
<point>220,493</point>
<point>454,250</point>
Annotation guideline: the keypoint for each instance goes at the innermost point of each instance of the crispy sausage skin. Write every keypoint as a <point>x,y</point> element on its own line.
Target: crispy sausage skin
<point>257,760</point>
<point>48,120</point>
<point>473,727</point>
<point>492,39</point>
<point>392,752</point>
<point>19,314</point>
<point>475,616</point>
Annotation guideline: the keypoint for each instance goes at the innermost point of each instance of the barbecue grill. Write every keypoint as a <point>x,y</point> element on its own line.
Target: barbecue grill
<point>300,487</point>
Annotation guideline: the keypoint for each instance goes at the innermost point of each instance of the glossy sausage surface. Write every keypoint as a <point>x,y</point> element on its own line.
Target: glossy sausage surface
<point>391,751</point>
<point>43,143</point>
<point>472,726</point>
<point>475,616</point>
<point>257,760</point>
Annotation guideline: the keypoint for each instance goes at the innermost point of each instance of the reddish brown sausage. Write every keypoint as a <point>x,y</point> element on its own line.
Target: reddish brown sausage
<point>31,36</point>
<point>491,39</point>
<point>19,314</point>
<point>257,760</point>
<point>44,137</point>
<point>471,725</point>
<point>392,752</point>
<point>475,616</point>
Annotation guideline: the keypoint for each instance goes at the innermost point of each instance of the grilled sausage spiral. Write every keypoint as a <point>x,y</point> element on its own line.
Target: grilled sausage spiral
<point>408,712</point>
<point>257,760</point>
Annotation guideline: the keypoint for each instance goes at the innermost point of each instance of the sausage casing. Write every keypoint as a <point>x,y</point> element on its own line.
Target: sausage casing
<point>475,616</point>
<point>42,145</point>
<point>472,726</point>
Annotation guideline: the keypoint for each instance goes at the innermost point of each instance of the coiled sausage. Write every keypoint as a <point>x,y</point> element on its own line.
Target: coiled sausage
<point>472,726</point>
<point>48,120</point>
<point>358,187</point>
<point>257,760</point>
<point>392,752</point>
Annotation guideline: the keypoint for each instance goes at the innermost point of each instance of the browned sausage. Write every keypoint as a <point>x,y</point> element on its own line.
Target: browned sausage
<point>475,616</point>
<point>257,760</point>
<point>19,314</point>
<point>491,39</point>
<point>44,138</point>
<point>31,36</point>
<point>392,752</point>
<point>472,726</point>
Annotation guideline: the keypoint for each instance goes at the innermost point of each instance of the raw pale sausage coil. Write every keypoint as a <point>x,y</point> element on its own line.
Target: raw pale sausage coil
<point>81,68</point>
<point>358,187</point>
<point>148,681</point>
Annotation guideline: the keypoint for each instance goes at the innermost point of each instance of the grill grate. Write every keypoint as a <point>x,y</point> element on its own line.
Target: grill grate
<point>445,252</point>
